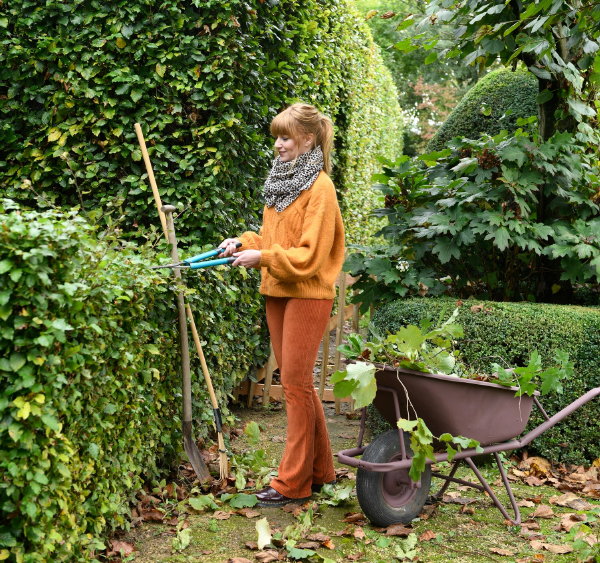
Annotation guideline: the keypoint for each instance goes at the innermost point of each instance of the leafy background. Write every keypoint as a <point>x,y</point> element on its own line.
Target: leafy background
<point>90,386</point>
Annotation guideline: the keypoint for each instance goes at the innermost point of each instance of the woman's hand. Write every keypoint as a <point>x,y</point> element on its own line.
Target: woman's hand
<point>247,258</point>
<point>229,244</point>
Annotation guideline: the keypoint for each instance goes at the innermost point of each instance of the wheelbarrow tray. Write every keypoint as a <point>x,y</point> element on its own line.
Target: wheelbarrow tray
<point>483,411</point>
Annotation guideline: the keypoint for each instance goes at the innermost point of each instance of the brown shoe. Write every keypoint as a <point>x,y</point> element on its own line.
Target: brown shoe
<point>270,497</point>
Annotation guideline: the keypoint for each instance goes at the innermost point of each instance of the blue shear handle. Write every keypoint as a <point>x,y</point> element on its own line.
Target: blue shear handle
<point>209,263</point>
<point>208,254</point>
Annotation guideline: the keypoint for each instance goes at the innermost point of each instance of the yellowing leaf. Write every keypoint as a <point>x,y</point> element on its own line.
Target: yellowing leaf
<point>4,554</point>
<point>264,533</point>
<point>121,42</point>
<point>54,135</point>
<point>160,69</point>
<point>39,399</point>
<point>24,412</point>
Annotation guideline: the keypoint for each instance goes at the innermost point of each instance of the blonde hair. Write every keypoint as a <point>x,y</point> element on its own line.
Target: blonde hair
<point>303,119</point>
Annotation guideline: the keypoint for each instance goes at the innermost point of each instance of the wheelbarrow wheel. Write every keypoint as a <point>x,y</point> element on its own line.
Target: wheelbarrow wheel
<point>390,497</point>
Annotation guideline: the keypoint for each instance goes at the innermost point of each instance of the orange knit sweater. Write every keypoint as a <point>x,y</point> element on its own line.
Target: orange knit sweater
<point>302,248</point>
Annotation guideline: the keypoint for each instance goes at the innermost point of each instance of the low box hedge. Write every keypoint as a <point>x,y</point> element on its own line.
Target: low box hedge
<point>506,333</point>
<point>89,377</point>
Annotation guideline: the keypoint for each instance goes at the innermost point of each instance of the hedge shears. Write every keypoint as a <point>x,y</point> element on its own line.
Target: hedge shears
<point>200,260</point>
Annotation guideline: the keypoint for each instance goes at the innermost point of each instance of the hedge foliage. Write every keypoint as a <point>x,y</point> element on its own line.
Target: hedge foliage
<point>89,378</point>
<point>495,103</point>
<point>204,78</point>
<point>507,333</point>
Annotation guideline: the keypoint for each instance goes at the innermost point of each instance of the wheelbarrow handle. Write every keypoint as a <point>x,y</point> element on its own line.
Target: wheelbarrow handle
<point>208,254</point>
<point>208,263</point>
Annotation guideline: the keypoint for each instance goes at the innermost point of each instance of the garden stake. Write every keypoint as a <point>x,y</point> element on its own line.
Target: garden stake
<point>188,441</point>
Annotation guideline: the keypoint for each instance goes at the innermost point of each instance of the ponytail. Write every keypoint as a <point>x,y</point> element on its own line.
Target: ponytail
<point>303,119</point>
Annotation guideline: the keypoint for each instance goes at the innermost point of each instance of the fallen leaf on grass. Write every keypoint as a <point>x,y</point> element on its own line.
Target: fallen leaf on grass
<point>590,539</point>
<point>428,511</point>
<point>398,530</point>
<point>121,548</point>
<point>354,517</point>
<point>467,509</point>
<point>152,515</point>
<point>526,503</point>
<point>278,439</point>
<point>536,465</point>
<point>359,534</point>
<point>238,560</point>
<point>427,535</point>
<point>221,515</point>
<point>571,500</point>
<point>452,499</point>
<point>252,545</point>
<point>543,511</point>
<point>247,512</point>
<point>500,551</point>
<point>319,536</point>
<point>267,556</point>
<point>534,481</point>
<point>530,525</point>
<point>570,520</point>
<point>354,556</point>
<point>534,559</point>
<point>552,548</point>
<point>264,533</point>
<point>308,545</point>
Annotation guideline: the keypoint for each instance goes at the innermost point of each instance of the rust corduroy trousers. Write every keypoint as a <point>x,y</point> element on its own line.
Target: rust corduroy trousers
<point>296,327</point>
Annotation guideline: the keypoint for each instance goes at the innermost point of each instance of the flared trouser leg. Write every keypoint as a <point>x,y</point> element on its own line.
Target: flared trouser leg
<point>296,327</point>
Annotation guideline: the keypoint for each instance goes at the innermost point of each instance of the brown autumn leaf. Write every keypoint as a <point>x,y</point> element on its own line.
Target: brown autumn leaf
<point>247,512</point>
<point>398,530</point>
<point>452,499</point>
<point>536,465</point>
<point>428,511</point>
<point>221,515</point>
<point>500,551</point>
<point>467,509</point>
<point>552,548</point>
<point>328,544</point>
<point>120,548</point>
<point>427,535</point>
<point>387,15</point>
<point>359,533</point>
<point>153,515</point>
<point>534,481</point>
<point>571,500</point>
<point>308,545</point>
<point>530,525</point>
<point>526,503</point>
<point>238,560</point>
<point>568,521</point>
<point>267,556</point>
<point>590,539</point>
<point>543,511</point>
<point>354,556</point>
<point>353,517</point>
<point>252,545</point>
<point>319,536</point>
<point>278,439</point>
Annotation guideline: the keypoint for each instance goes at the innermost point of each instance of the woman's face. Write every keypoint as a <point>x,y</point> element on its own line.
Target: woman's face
<point>289,149</point>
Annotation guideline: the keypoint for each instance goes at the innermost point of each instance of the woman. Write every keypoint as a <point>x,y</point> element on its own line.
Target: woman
<point>300,251</point>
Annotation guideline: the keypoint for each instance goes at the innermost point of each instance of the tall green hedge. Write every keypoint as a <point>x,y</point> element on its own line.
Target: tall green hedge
<point>204,78</point>
<point>494,103</point>
<point>89,378</point>
<point>507,333</point>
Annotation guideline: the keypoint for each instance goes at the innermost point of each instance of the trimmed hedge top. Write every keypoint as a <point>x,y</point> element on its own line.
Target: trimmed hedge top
<point>506,333</point>
<point>493,104</point>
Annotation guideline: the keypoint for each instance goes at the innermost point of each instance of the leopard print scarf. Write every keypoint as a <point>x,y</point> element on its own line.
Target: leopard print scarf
<point>288,179</point>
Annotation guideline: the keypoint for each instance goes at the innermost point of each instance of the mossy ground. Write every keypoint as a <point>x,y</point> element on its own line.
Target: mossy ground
<point>458,533</point>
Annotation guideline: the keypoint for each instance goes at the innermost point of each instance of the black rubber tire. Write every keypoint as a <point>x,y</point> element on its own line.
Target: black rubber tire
<point>388,498</point>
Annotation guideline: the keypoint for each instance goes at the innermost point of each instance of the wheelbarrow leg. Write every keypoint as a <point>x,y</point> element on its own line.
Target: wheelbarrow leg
<point>517,519</point>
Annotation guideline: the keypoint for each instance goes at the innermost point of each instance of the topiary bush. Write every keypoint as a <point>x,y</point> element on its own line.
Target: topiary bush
<point>89,378</point>
<point>203,78</point>
<point>506,333</point>
<point>495,103</point>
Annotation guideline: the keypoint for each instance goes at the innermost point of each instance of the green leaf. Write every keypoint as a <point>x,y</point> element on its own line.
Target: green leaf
<point>200,503</point>
<point>136,95</point>
<point>407,425</point>
<point>17,361</point>
<point>5,265</point>
<point>242,500</point>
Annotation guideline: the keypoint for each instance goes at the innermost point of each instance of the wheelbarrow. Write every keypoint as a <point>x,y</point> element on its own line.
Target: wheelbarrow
<point>483,411</point>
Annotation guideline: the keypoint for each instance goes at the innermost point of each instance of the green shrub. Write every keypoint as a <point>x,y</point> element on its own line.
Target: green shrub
<point>204,79</point>
<point>494,103</point>
<point>505,333</point>
<point>89,385</point>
